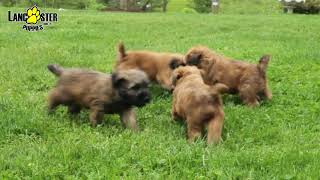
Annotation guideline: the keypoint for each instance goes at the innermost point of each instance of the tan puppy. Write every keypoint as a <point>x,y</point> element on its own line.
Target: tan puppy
<point>101,93</point>
<point>249,80</point>
<point>198,104</point>
<point>158,66</point>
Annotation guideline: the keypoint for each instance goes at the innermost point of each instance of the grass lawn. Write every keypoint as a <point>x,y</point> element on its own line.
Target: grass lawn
<point>177,5</point>
<point>278,140</point>
<point>234,6</point>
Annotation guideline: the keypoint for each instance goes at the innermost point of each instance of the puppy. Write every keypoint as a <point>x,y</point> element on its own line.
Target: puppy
<point>248,80</point>
<point>158,66</point>
<point>198,104</point>
<point>101,93</point>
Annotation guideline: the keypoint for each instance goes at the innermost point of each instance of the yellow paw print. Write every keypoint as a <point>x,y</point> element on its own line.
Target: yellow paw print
<point>33,15</point>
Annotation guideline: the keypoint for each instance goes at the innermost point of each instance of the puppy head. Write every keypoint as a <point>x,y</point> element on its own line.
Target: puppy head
<point>132,86</point>
<point>176,62</point>
<point>183,71</point>
<point>199,56</point>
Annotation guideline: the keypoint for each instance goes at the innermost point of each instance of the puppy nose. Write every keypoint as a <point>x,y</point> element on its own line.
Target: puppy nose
<point>145,96</point>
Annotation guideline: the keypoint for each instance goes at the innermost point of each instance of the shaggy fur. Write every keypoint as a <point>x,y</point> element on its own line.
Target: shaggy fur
<point>99,92</point>
<point>248,80</point>
<point>158,66</point>
<point>198,104</point>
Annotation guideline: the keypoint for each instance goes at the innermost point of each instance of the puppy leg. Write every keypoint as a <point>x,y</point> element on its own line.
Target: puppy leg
<point>174,114</point>
<point>164,82</point>
<point>215,126</point>
<point>74,109</point>
<point>194,131</point>
<point>128,119</point>
<point>248,95</point>
<point>96,115</point>
<point>56,97</point>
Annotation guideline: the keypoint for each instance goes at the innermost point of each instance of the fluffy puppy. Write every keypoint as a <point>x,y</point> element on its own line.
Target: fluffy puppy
<point>248,80</point>
<point>158,66</point>
<point>101,93</point>
<point>198,104</point>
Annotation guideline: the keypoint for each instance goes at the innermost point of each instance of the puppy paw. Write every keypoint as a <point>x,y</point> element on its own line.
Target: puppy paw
<point>253,104</point>
<point>33,15</point>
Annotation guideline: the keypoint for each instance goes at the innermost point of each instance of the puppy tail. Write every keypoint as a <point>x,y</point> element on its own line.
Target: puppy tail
<point>55,69</point>
<point>121,51</point>
<point>218,88</point>
<point>263,63</point>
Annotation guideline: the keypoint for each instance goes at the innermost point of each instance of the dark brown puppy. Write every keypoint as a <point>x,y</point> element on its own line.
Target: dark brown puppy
<point>158,66</point>
<point>249,80</point>
<point>198,104</point>
<point>101,93</point>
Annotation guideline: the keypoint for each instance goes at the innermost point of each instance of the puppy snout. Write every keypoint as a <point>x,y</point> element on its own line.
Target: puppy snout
<point>145,96</point>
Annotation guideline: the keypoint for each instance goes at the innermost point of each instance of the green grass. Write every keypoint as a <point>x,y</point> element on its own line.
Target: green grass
<point>279,140</point>
<point>250,7</point>
<point>234,6</point>
<point>177,5</point>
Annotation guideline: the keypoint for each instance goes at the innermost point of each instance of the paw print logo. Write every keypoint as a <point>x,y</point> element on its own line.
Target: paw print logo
<point>33,15</point>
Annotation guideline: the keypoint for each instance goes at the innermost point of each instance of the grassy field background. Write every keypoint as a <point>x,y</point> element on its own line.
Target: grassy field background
<point>279,140</point>
<point>234,6</point>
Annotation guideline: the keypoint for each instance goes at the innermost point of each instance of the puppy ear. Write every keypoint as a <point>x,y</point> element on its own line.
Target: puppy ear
<point>116,80</point>
<point>174,63</point>
<point>194,59</point>
<point>176,76</point>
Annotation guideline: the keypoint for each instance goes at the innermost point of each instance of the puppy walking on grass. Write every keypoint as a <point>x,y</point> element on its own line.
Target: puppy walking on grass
<point>198,104</point>
<point>248,80</point>
<point>158,66</point>
<point>101,93</point>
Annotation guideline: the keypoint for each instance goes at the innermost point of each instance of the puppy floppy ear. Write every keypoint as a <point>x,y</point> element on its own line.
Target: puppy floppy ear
<point>176,76</point>
<point>194,59</point>
<point>174,63</point>
<point>117,81</point>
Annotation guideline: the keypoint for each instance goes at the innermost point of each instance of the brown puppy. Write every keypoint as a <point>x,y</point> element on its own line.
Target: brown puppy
<point>249,80</point>
<point>158,66</point>
<point>101,93</point>
<point>197,103</point>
